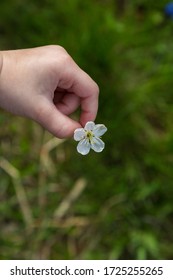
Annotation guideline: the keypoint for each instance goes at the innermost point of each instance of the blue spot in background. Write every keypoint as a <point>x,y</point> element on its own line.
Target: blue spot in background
<point>169,10</point>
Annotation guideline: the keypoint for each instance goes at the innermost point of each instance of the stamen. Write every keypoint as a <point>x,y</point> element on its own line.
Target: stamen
<point>89,136</point>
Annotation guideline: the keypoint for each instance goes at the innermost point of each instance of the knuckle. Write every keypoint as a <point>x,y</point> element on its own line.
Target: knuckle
<point>56,48</point>
<point>64,59</point>
<point>57,51</point>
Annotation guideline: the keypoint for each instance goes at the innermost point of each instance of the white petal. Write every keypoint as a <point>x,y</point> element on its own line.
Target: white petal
<point>89,126</point>
<point>83,147</point>
<point>79,134</point>
<point>99,130</point>
<point>97,145</point>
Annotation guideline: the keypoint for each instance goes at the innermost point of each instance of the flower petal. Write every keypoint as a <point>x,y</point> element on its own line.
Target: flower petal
<point>97,145</point>
<point>83,147</point>
<point>79,134</point>
<point>99,130</point>
<point>89,126</point>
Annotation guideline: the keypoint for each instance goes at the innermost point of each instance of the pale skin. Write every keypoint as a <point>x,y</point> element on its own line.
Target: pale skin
<point>46,85</point>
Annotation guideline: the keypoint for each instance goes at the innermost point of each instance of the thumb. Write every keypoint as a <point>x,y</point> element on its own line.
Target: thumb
<point>53,120</point>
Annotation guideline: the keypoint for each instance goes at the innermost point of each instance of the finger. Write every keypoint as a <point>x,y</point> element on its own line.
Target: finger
<point>53,120</point>
<point>80,83</point>
<point>88,91</point>
<point>68,104</point>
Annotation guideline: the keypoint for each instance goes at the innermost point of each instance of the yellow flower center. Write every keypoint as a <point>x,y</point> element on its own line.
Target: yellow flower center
<point>89,135</point>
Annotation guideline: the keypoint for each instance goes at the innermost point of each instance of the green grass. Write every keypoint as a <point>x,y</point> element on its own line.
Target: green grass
<point>123,207</point>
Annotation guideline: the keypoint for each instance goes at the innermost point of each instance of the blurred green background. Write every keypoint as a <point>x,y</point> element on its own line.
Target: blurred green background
<point>57,204</point>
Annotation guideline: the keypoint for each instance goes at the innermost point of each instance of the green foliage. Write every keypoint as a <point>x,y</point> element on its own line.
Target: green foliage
<point>125,211</point>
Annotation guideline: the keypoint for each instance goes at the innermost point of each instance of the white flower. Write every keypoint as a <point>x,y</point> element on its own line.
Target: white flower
<point>89,138</point>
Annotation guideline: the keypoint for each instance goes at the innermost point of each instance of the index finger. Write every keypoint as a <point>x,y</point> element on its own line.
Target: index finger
<point>88,91</point>
<point>74,79</point>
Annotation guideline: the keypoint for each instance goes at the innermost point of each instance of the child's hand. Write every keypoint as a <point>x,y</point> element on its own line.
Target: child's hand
<point>46,85</point>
